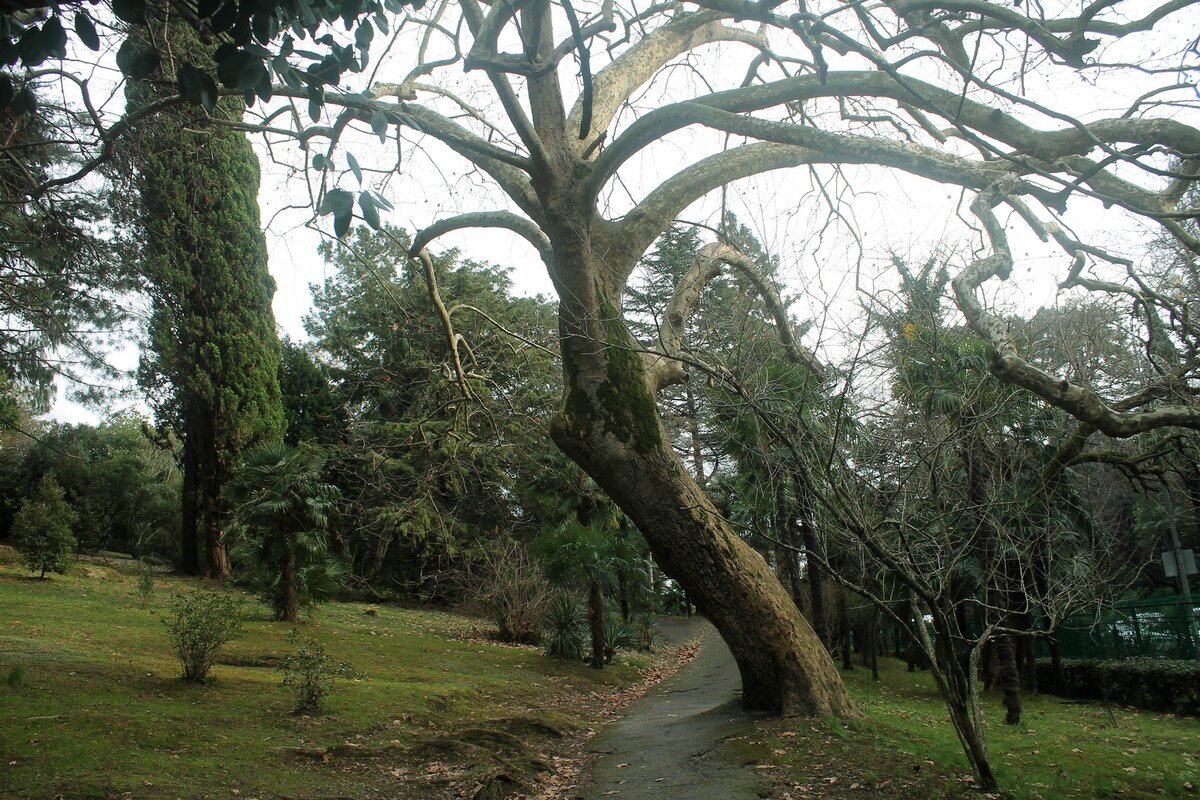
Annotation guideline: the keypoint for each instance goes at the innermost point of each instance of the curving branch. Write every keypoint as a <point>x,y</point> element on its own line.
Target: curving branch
<point>453,340</point>
<point>614,84</point>
<point>509,170</point>
<point>634,233</point>
<point>1079,401</point>
<point>485,219</point>
<point>663,369</point>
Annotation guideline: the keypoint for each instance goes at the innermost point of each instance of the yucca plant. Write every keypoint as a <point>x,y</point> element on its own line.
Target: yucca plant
<point>617,636</point>
<point>565,628</point>
<point>645,632</point>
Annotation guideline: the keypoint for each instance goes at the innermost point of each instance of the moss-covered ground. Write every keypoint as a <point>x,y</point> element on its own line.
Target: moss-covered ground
<point>904,747</point>
<point>94,708</point>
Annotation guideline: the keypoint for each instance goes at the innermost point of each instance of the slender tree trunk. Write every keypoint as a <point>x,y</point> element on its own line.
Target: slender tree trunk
<point>816,579</point>
<point>1057,676</point>
<point>844,626</point>
<point>609,425</point>
<point>953,672</point>
<point>623,595</point>
<point>290,610</point>
<point>785,551</point>
<point>189,558</point>
<point>212,497</point>
<point>596,621</point>
<point>873,642</point>
<point>1010,679</point>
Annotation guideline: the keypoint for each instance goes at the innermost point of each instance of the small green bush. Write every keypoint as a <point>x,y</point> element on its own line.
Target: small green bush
<point>617,636</point>
<point>645,632</point>
<point>145,583</point>
<point>1146,683</point>
<point>16,678</point>
<point>201,623</point>
<point>311,673</point>
<point>566,629</point>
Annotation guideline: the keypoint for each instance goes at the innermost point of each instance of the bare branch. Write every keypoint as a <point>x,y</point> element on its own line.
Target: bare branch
<point>485,219</point>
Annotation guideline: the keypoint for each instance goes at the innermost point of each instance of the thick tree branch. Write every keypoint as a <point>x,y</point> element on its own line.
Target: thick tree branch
<point>1081,402</point>
<point>641,226</point>
<point>613,85</point>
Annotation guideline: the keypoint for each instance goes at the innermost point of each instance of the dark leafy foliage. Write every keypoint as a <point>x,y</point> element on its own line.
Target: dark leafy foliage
<point>259,43</point>
<point>1145,683</point>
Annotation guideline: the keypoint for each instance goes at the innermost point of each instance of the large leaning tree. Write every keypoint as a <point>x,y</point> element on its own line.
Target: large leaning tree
<point>567,108</point>
<point>1054,121</point>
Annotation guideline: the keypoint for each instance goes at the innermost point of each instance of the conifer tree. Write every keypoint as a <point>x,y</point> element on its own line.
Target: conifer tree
<point>42,529</point>
<point>212,364</point>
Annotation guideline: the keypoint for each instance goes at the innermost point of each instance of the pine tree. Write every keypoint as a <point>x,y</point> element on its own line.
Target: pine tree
<point>212,366</point>
<point>42,529</point>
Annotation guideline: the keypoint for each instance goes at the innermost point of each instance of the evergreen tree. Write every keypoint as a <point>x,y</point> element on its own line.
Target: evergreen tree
<point>281,496</point>
<point>42,529</point>
<point>58,274</point>
<point>212,364</point>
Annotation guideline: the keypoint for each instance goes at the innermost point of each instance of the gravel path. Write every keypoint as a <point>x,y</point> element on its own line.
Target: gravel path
<point>675,741</point>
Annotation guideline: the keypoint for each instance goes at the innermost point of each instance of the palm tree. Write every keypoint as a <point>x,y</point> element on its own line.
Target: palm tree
<point>282,499</point>
<point>589,554</point>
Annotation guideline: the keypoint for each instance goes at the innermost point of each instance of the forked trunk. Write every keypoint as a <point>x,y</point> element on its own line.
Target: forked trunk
<point>609,425</point>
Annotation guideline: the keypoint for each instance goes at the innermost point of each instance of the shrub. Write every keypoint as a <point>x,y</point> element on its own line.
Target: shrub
<point>617,636</point>
<point>201,623</point>
<point>311,673</point>
<point>565,629</point>
<point>145,582</point>
<point>1145,683</point>
<point>16,677</point>
<point>512,590</point>
<point>42,529</point>
<point>645,632</point>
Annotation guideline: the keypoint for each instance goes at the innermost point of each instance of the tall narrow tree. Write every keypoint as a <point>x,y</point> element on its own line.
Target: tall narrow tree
<point>212,363</point>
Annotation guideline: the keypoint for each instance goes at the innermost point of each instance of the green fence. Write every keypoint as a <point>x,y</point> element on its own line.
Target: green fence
<point>1159,627</point>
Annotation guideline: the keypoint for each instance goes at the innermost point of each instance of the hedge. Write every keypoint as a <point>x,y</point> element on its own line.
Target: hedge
<point>1147,683</point>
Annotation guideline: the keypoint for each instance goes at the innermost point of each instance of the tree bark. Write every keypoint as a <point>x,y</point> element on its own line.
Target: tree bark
<point>596,621</point>
<point>189,558</point>
<point>289,612</point>
<point>609,425</point>
<point>844,624</point>
<point>1009,678</point>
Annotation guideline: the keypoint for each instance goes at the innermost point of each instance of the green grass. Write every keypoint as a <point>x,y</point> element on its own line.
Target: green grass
<point>1061,750</point>
<point>100,710</point>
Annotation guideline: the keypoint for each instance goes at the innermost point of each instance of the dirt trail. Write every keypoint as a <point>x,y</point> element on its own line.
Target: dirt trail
<point>676,741</point>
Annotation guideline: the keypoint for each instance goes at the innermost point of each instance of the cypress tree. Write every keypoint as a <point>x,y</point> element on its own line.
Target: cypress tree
<point>212,363</point>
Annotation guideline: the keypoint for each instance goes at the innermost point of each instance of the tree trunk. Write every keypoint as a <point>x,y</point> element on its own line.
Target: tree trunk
<point>596,621</point>
<point>189,557</point>
<point>1009,679</point>
<point>1056,662</point>
<point>609,425</point>
<point>218,560</point>
<point>844,624</point>
<point>289,612</point>
<point>623,595</point>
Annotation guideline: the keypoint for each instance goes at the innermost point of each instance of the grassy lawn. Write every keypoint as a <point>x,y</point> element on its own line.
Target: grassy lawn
<point>904,747</point>
<point>101,713</point>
